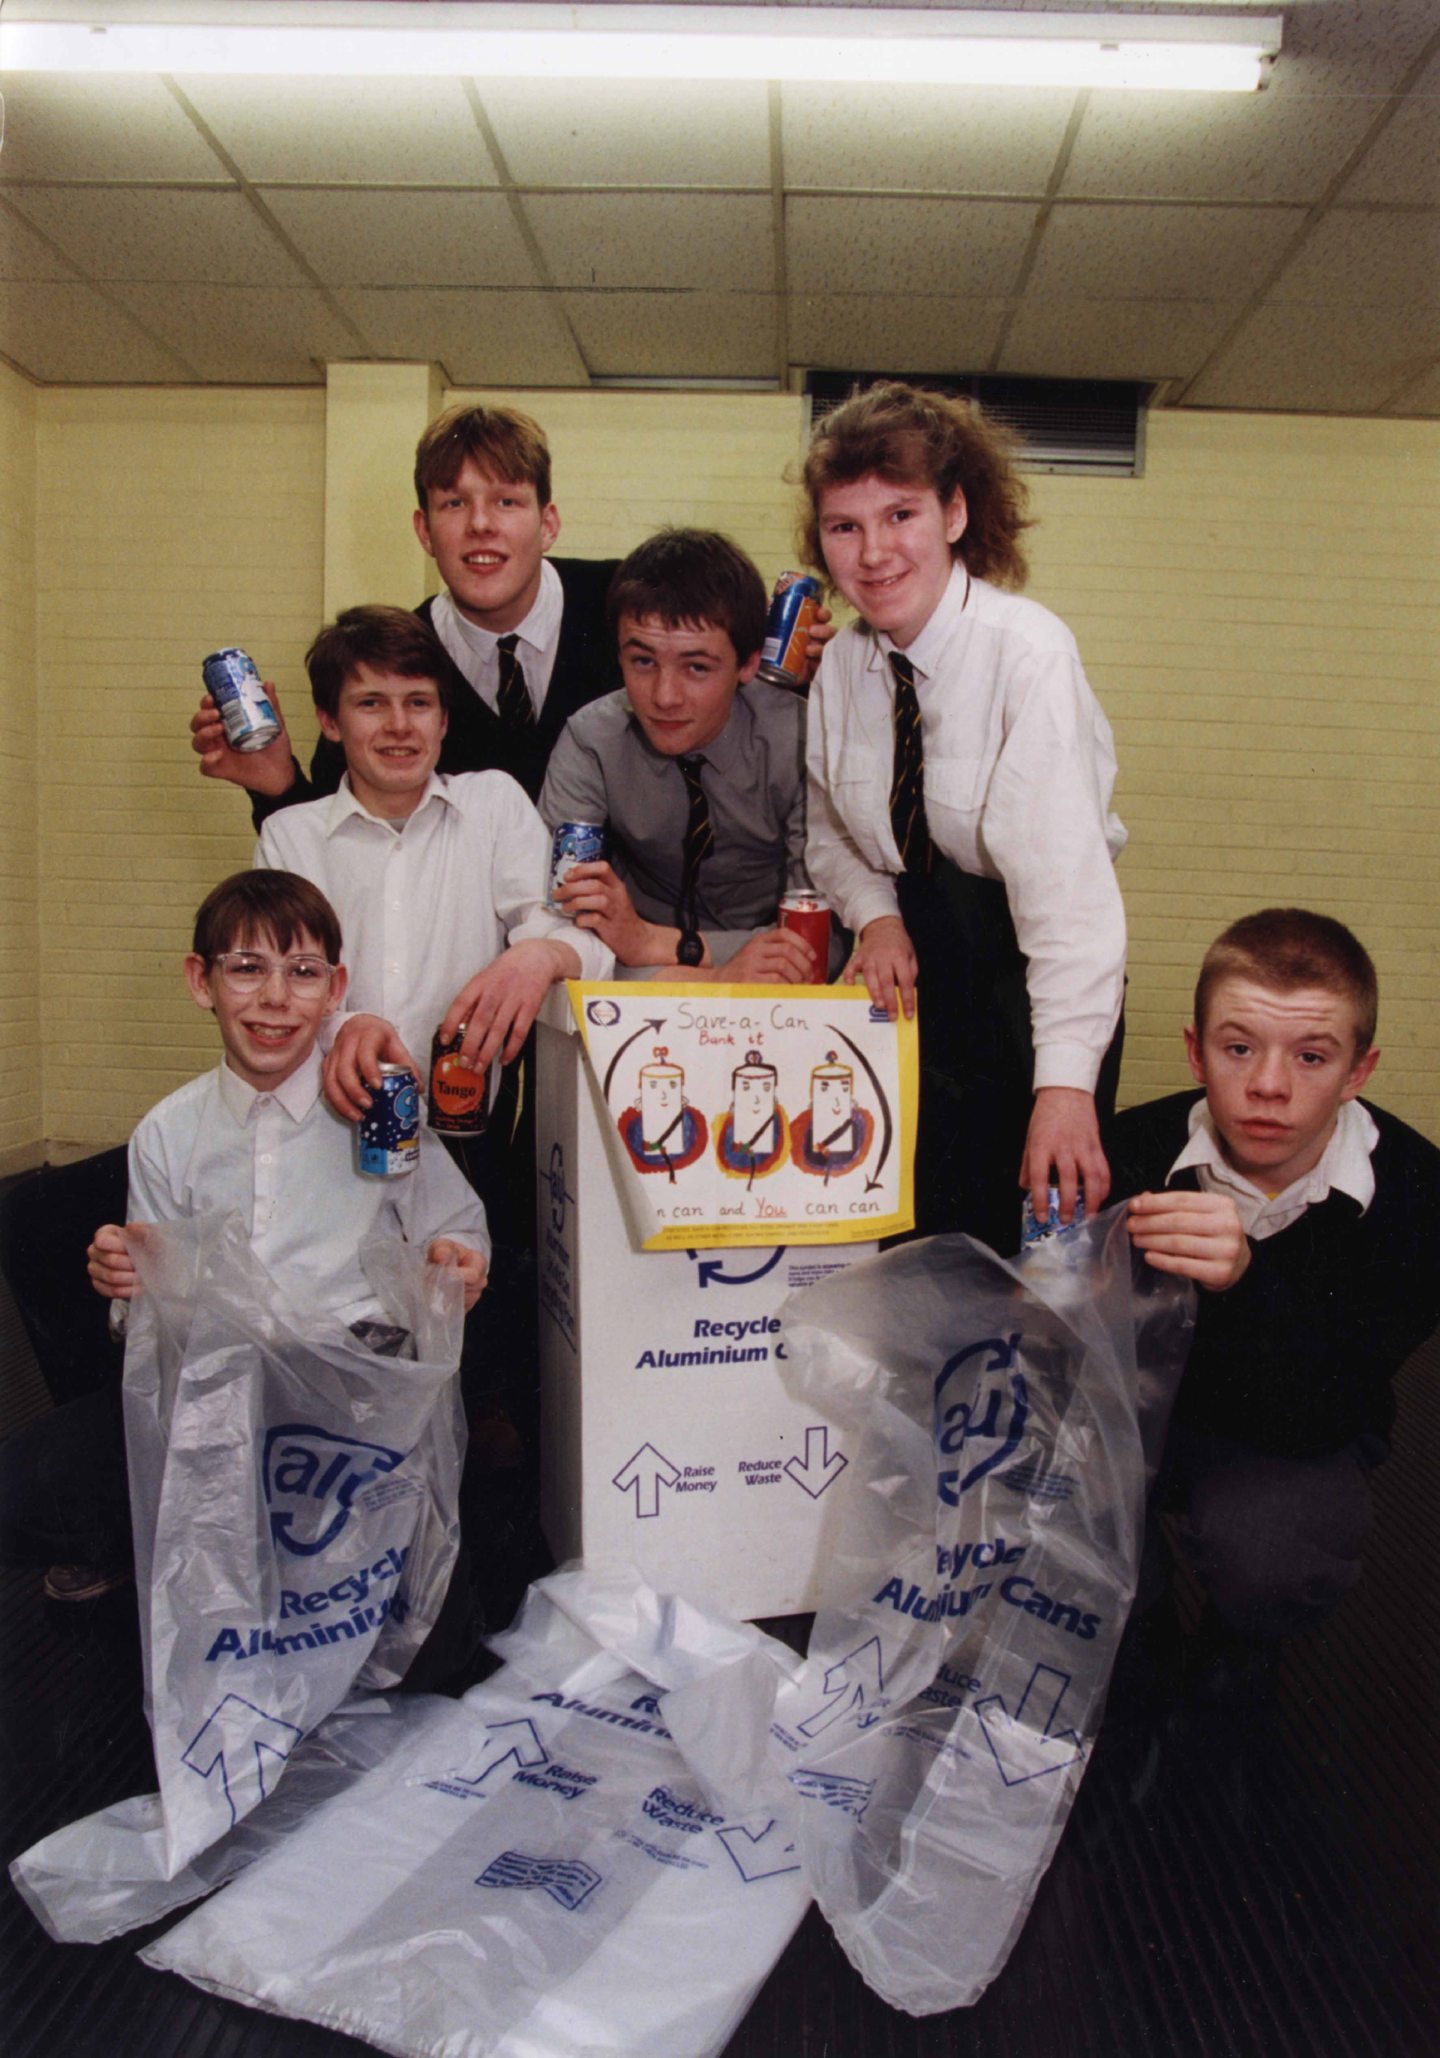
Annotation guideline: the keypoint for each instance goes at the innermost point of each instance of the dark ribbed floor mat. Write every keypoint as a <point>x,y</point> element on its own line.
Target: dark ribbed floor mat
<point>1265,1897</point>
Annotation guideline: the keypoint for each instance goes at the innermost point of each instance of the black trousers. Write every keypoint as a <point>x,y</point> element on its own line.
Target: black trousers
<point>977,1058</point>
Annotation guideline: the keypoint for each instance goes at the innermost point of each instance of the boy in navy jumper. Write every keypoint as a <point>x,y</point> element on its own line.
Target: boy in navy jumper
<point>1310,1220</point>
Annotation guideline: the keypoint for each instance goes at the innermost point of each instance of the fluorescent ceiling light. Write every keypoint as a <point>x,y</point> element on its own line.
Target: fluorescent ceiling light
<point>846,45</point>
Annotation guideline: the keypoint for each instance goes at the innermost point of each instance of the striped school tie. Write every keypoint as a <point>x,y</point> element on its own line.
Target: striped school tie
<point>699,842</point>
<point>517,712</point>
<point>907,787</point>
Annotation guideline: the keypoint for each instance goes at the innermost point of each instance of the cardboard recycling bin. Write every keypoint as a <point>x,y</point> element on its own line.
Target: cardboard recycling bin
<point>670,1445</point>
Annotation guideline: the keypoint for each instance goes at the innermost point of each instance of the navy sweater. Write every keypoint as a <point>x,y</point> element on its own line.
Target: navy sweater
<point>1297,1358</point>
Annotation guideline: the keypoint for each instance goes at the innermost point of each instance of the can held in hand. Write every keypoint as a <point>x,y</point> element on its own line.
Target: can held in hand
<point>233,683</point>
<point>574,843</point>
<point>1034,1231</point>
<point>809,916</point>
<point>387,1140</point>
<point>787,631</point>
<point>459,1092</point>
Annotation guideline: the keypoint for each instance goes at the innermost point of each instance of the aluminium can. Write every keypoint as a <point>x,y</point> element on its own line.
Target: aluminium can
<point>1033,1231</point>
<point>792,614</point>
<point>387,1139</point>
<point>574,843</point>
<point>459,1093</point>
<point>233,682</point>
<point>809,916</point>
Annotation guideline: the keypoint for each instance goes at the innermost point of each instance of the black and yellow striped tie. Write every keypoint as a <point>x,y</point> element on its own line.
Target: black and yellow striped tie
<point>699,830</point>
<point>517,711</point>
<point>907,787</point>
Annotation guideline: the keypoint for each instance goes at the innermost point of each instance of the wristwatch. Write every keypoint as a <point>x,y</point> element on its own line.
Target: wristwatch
<point>689,950</point>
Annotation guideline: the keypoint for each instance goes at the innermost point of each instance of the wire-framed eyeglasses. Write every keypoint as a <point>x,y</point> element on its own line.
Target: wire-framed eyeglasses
<point>246,971</point>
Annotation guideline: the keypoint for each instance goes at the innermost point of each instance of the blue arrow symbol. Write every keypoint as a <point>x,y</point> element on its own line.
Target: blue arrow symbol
<point>714,1269</point>
<point>231,1742</point>
<point>847,1682</point>
<point>645,1473</point>
<point>743,1846</point>
<point>1020,1749</point>
<point>504,1741</point>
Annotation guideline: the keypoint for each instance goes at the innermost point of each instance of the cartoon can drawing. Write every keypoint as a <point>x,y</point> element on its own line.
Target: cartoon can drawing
<point>660,1130</point>
<point>752,1138</point>
<point>833,1135</point>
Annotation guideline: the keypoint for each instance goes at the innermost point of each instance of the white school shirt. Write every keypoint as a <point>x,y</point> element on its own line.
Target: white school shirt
<point>474,648</point>
<point>426,903</point>
<point>1019,772</point>
<point>284,1161</point>
<point>1344,1166</point>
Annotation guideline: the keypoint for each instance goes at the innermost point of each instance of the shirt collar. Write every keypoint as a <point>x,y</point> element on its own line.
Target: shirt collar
<point>928,649</point>
<point>344,806</point>
<point>539,630</point>
<point>296,1095</point>
<point>1345,1166</point>
<point>725,753</point>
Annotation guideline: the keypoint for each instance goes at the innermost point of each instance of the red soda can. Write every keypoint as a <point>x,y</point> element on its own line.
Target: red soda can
<point>809,916</point>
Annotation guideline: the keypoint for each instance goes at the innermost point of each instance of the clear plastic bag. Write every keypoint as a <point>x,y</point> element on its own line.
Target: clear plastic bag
<point>1010,1416</point>
<point>294,1500</point>
<point>537,1873</point>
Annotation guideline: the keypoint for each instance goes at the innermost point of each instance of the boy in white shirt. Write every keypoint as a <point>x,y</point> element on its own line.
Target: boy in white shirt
<point>255,1137</point>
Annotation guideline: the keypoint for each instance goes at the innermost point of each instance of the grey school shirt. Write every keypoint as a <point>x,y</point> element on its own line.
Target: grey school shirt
<point>604,769</point>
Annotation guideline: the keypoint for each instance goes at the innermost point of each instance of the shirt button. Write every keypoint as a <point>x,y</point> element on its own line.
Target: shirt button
<point>265,1157</point>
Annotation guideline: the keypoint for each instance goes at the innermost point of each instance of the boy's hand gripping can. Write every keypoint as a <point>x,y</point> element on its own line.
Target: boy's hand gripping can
<point>809,916</point>
<point>1032,1230</point>
<point>458,1092</point>
<point>233,683</point>
<point>574,843</point>
<point>787,631</point>
<point>387,1139</point>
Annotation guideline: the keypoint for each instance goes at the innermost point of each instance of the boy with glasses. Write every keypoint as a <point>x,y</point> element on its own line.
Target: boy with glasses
<point>254,1136</point>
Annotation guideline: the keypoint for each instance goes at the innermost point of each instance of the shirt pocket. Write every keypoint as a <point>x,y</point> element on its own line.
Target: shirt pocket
<point>859,794</point>
<point>956,784</point>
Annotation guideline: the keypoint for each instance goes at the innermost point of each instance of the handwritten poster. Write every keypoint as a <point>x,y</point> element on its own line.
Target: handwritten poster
<point>754,1114</point>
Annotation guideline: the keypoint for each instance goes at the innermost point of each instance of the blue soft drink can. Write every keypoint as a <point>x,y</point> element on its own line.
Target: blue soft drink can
<point>574,843</point>
<point>387,1140</point>
<point>787,631</point>
<point>1034,1231</point>
<point>233,682</point>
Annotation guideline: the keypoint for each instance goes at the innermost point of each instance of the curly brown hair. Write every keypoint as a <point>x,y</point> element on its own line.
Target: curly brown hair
<point>911,435</point>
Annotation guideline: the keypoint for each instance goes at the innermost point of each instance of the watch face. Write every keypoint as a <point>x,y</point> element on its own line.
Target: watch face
<point>689,950</point>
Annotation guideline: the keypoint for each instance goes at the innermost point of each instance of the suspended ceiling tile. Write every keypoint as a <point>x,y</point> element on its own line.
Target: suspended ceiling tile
<point>482,338</point>
<point>1357,257</point>
<point>981,140</point>
<point>1158,253</point>
<point>24,255</point>
<point>1059,338</point>
<point>130,232</point>
<point>623,132</point>
<point>120,127</point>
<point>894,332</point>
<point>1203,146</point>
<point>906,246</point>
<point>1403,162</point>
<point>251,335</point>
<point>69,333</point>
<point>1340,60</point>
<point>637,240</point>
<point>404,238</point>
<point>1333,359</point>
<point>351,131</point>
<point>665,335</point>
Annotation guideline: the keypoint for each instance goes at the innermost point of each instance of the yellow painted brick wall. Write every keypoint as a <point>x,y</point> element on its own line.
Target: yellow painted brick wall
<point>1260,617</point>
<point>1257,613</point>
<point>21,1113</point>
<point>170,523</point>
<point>626,462</point>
